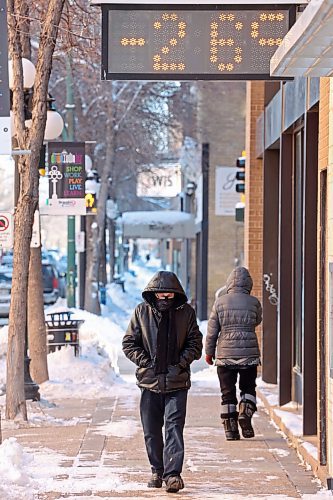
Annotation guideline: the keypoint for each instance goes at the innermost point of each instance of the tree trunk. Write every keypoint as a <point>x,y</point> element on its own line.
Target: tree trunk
<point>29,178</point>
<point>36,319</point>
<point>91,299</point>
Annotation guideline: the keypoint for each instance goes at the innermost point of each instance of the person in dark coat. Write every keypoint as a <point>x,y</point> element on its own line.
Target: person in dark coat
<point>231,340</point>
<point>163,339</point>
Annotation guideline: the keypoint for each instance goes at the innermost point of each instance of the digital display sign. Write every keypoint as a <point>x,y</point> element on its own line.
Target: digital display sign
<point>182,43</point>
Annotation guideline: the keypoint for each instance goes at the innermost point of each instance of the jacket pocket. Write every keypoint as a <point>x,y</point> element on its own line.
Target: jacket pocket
<point>145,376</point>
<point>177,375</point>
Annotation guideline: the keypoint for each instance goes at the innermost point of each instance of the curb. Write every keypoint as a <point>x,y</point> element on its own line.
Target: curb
<point>297,442</point>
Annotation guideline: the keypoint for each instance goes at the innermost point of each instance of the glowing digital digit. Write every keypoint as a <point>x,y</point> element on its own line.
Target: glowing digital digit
<point>268,20</point>
<point>164,60</point>
<point>218,44</point>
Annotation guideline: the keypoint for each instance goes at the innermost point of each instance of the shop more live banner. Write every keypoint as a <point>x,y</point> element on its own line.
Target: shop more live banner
<point>65,177</point>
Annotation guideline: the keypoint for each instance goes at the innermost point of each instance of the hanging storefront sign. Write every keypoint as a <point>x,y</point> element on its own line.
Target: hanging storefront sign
<point>226,197</point>
<point>5,134</point>
<point>66,179</point>
<point>177,42</point>
<point>159,182</point>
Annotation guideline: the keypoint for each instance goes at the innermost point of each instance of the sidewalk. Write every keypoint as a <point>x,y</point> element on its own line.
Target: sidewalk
<point>288,419</point>
<point>94,449</point>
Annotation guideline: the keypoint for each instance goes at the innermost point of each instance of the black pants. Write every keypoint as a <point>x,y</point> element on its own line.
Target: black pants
<point>156,410</point>
<point>228,379</point>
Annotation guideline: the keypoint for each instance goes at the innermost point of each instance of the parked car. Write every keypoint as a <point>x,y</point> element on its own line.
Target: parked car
<point>58,264</point>
<point>5,290</point>
<point>50,283</point>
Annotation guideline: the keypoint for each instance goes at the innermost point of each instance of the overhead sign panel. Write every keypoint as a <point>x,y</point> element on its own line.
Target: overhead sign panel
<point>186,43</point>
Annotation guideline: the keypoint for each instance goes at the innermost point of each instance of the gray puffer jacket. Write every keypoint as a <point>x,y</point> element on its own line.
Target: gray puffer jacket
<point>231,337</point>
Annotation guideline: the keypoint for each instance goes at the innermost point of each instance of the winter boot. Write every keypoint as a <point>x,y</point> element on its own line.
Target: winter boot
<point>229,418</point>
<point>174,484</point>
<point>155,481</point>
<point>246,409</point>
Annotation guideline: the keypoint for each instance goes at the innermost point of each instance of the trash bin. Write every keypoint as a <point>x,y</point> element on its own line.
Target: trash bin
<point>61,330</point>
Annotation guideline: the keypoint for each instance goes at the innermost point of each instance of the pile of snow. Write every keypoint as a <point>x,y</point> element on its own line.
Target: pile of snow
<point>12,463</point>
<point>90,375</point>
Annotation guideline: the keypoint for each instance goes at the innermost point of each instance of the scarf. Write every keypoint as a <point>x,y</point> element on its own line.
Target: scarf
<point>166,348</point>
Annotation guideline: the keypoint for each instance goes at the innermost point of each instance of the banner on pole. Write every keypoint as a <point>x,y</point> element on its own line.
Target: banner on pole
<point>65,179</point>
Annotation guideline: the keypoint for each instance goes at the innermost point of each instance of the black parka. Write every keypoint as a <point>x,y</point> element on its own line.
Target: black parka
<point>231,337</point>
<point>140,340</point>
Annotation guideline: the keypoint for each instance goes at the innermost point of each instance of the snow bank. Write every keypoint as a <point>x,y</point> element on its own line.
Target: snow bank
<point>12,463</point>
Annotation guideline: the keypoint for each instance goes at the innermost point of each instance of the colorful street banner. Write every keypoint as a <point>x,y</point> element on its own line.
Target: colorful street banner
<point>66,179</point>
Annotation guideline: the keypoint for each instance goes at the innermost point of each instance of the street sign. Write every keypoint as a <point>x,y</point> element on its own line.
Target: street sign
<point>35,238</point>
<point>80,241</point>
<point>6,230</point>
<point>5,134</point>
<point>177,42</point>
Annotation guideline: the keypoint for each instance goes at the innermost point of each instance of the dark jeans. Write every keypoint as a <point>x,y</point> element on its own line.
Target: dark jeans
<point>228,379</point>
<point>157,410</point>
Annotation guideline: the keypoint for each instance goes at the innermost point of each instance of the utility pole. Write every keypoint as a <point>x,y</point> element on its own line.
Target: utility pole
<point>71,271</point>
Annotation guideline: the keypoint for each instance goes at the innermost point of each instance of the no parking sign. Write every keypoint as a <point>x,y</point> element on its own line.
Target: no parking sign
<point>6,230</point>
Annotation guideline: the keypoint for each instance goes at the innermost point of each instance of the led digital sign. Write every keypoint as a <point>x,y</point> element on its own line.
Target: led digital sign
<point>187,43</point>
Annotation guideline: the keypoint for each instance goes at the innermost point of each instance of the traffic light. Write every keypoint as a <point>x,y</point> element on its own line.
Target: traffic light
<point>240,175</point>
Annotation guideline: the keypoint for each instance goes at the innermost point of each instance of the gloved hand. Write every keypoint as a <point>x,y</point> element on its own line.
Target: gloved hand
<point>209,359</point>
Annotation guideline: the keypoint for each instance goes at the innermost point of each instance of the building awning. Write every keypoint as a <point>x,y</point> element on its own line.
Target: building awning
<point>307,49</point>
<point>158,224</point>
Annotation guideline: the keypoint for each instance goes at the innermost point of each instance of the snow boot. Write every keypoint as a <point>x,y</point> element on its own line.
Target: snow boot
<point>229,418</point>
<point>155,481</point>
<point>173,484</point>
<point>246,409</point>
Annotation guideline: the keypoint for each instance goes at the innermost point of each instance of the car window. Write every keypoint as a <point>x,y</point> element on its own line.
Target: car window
<point>48,275</point>
<point>5,277</point>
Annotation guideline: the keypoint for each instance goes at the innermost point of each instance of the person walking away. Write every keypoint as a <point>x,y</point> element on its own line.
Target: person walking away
<point>163,339</point>
<point>231,340</point>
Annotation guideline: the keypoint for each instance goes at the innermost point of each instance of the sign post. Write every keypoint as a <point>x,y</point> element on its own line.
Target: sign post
<point>5,134</point>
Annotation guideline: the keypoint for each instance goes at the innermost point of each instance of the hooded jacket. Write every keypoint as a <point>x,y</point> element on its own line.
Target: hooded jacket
<point>140,340</point>
<point>231,337</point>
